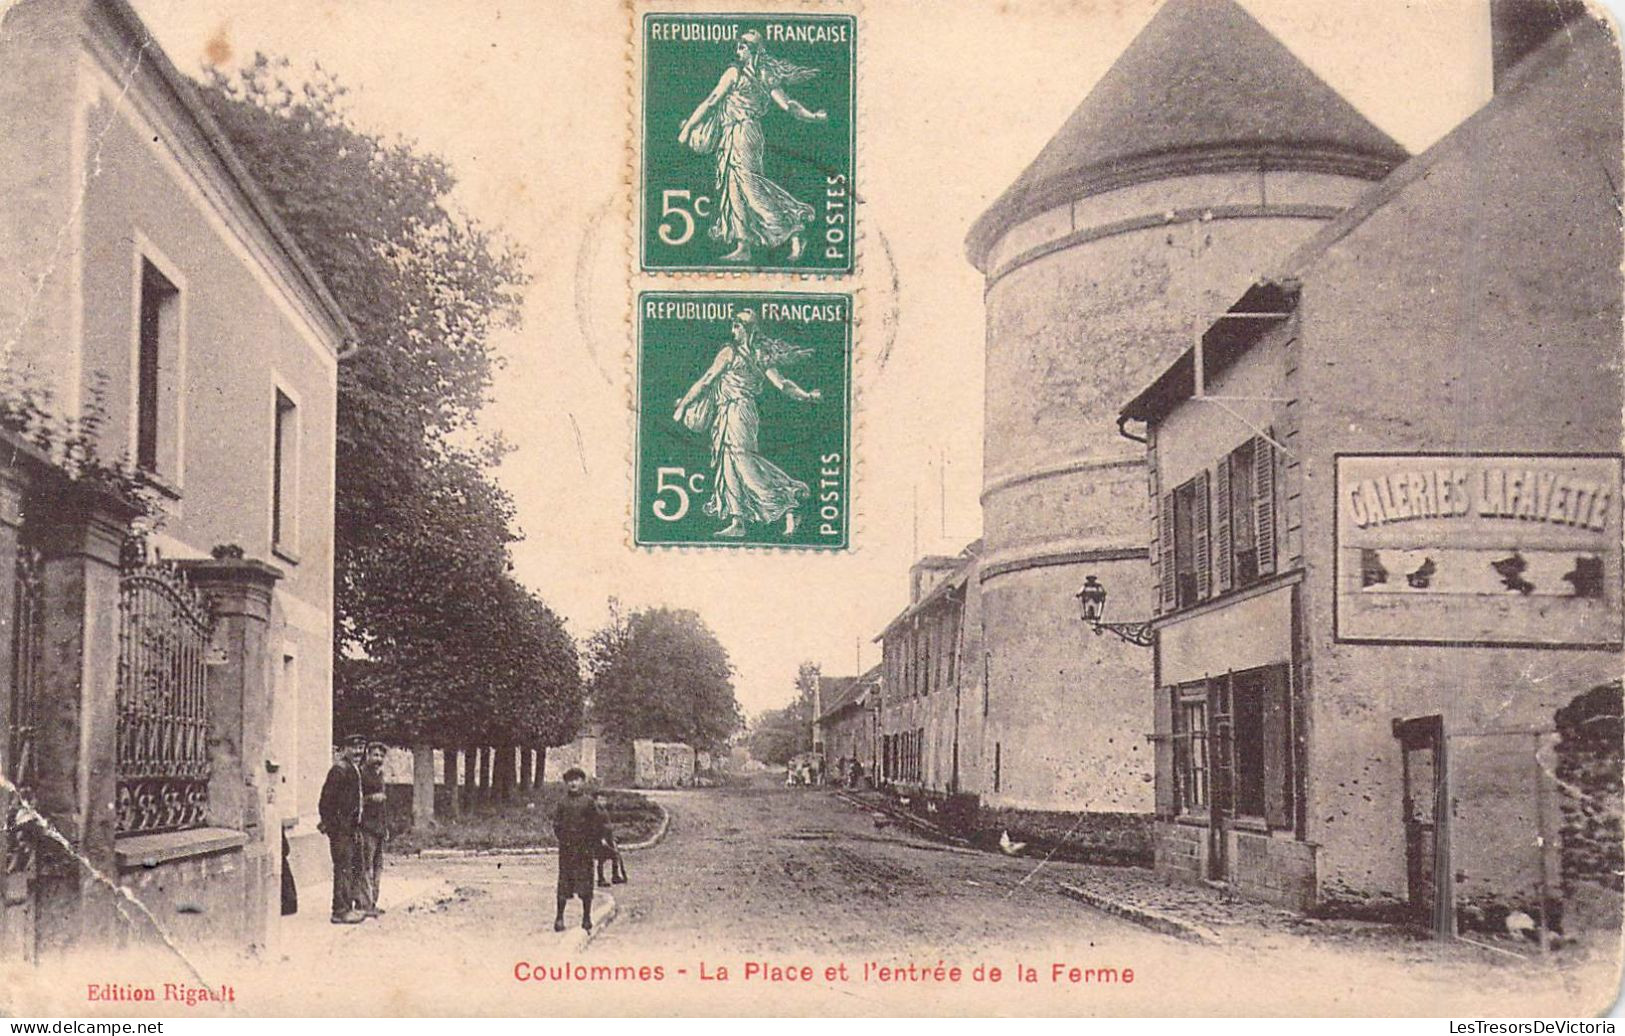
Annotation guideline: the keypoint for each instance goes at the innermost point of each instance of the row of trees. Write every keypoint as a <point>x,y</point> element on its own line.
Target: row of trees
<point>435,642</point>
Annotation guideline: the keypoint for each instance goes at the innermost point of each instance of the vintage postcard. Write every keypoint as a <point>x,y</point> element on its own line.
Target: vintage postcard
<point>678,508</point>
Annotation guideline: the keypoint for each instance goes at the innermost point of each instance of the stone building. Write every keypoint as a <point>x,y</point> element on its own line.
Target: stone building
<point>1205,153</point>
<point>849,725</point>
<point>1387,526</point>
<point>925,716</point>
<point>146,283</point>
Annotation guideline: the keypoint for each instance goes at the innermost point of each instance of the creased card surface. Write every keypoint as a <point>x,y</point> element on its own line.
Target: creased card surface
<point>810,508</point>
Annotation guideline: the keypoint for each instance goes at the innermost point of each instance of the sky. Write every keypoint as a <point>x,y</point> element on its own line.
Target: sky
<point>530,104</point>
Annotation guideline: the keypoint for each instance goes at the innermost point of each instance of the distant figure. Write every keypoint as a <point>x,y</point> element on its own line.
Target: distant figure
<point>608,852</point>
<point>290,891</point>
<point>374,828</point>
<point>579,827</point>
<point>340,811</point>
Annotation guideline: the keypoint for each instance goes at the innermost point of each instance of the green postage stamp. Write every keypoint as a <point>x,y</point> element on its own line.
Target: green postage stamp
<point>748,137</point>
<point>744,419</point>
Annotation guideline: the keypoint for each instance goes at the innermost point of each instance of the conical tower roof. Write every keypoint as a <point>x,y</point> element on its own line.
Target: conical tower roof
<point>1204,87</point>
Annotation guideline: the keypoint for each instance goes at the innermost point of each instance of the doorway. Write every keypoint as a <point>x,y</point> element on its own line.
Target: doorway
<point>1425,814</point>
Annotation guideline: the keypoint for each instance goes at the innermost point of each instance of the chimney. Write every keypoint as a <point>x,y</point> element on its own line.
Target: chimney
<point>1519,27</point>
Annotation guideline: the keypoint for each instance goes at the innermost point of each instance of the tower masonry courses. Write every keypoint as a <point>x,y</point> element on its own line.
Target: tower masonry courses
<point>1201,158</point>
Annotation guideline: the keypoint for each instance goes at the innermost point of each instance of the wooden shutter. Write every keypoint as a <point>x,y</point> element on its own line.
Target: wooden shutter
<point>1162,751</point>
<point>1264,503</point>
<point>1223,544</point>
<point>1165,548</point>
<point>1277,715</point>
<point>1203,554</point>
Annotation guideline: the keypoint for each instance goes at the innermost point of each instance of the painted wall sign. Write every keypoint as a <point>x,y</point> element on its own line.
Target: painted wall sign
<point>1502,549</point>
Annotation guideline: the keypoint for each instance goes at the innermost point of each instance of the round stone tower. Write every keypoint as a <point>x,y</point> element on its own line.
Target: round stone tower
<point>1204,155</point>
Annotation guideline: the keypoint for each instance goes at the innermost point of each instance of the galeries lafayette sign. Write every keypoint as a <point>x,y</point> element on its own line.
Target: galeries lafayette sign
<point>1505,549</point>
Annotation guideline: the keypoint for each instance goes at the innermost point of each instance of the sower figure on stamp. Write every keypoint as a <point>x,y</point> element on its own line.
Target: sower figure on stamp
<point>340,810</point>
<point>579,827</point>
<point>751,209</point>
<point>745,486</point>
<point>374,829</point>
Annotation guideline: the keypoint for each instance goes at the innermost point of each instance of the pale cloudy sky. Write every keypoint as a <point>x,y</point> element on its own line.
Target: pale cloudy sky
<point>529,103</point>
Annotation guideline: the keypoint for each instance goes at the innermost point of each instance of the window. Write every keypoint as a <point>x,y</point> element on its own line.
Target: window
<point>1259,749</point>
<point>1184,546</point>
<point>156,361</point>
<point>1190,747</point>
<point>285,476</point>
<point>1245,514</point>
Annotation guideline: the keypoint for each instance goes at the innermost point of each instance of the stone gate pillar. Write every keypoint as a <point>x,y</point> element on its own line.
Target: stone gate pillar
<point>81,531</point>
<point>241,683</point>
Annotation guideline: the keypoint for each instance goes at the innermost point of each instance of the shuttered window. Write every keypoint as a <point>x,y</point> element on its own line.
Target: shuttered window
<point>1264,504</point>
<point>1261,745</point>
<point>1188,558</point>
<point>1162,752</point>
<point>1187,709</point>
<point>1277,747</point>
<point>1167,598</point>
<point>1244,515</point>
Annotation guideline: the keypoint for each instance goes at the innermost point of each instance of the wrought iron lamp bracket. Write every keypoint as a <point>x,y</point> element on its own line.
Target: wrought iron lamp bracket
<point>1137,633</point>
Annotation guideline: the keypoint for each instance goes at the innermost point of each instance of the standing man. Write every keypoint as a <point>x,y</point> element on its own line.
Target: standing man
<point>579,826</point>
<point>374,828</point>
<point>340,809</point>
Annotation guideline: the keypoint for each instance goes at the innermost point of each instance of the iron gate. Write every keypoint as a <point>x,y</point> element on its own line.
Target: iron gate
<point>22,759</point>
<point>163,702</point>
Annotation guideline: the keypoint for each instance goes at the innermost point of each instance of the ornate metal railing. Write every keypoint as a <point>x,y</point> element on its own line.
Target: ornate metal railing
<point>163,702</point>
<point>22,741</point>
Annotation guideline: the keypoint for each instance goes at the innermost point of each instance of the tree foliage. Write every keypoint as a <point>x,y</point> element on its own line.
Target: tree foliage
<point>422,591</point>
<point>779,735</point>
<point>661,673</point>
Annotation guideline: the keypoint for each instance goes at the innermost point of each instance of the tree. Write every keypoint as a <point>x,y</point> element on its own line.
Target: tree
<point>780,734</point>
<point>661,673</point>
<point>421,533</point>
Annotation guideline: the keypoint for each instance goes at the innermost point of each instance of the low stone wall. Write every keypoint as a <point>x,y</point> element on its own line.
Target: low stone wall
<point>1181,850</point>
<point>211,900</point>
<point>1110,838</point>
<point>662,764</point>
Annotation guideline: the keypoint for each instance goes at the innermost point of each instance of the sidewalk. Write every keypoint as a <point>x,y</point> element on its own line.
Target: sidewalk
<point>1200,913</point>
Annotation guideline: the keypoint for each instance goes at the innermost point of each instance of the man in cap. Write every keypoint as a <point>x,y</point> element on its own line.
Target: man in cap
<point>340,810</point>
<point>579,826</point>
<point>374,828</point>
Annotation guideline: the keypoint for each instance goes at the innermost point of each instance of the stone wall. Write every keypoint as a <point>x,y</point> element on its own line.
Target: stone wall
<point>1588,774</point>
<point>662,764</point>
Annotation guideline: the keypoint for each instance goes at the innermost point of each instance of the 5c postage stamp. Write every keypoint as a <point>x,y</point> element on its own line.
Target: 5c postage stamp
<point>748,127</point>
<point>744,419</point>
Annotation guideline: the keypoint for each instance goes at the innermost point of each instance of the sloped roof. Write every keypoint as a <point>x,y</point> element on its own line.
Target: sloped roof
<point>1203,87</point>
<point>842,691</point>
<point>1586,43</point>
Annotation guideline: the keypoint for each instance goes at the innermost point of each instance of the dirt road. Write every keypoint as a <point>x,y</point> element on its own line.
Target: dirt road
<point>771,900</point>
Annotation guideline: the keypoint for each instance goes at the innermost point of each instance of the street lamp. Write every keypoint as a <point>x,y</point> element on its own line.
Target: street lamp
<point>1092,609</point>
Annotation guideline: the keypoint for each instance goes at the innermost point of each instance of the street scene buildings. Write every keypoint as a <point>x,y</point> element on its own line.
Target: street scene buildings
<point>1344,692</point>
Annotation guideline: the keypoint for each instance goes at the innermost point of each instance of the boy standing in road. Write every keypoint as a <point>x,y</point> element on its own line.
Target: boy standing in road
<point>579,827</point>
